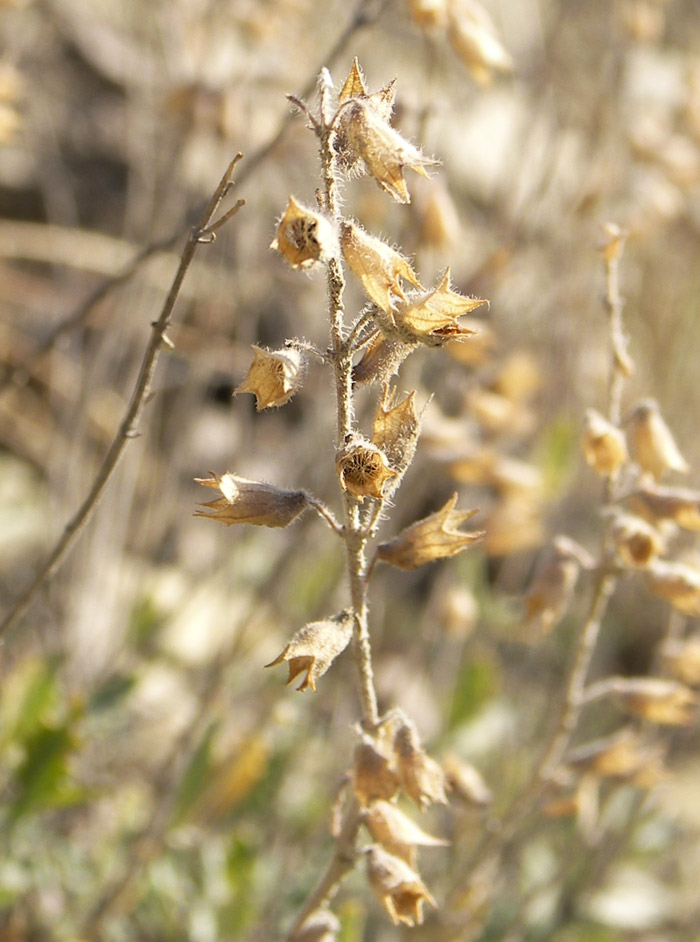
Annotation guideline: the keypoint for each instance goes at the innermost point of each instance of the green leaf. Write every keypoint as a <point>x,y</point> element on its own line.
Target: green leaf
<point>110,692</point>
<point>476,684</point>
<point>197,774</point>
<point>42,776</point>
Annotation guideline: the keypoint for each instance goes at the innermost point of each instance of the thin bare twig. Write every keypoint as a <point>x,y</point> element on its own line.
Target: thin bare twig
<point>202,233</point>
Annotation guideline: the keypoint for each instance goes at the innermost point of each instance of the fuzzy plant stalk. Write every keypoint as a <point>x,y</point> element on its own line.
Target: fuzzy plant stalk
<point>354,136</point>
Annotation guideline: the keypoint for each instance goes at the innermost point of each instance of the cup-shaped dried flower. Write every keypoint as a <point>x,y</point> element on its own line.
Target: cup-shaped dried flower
<point>363,469</point>
<point>466,781</point>
<point>432,318</point>
<point>379,267</point>
<point>373,775</point>
<point>652,443</point>
<point>604,445</point>
<point>305,236</point>
<point>253,502</point>
<point>314,647</point>
<point>320,926</point>
<point>396,832</point>
<point>473,37</point>
<point>435,537</point>
<point>637,542</point>
<point>657,502</point>
<point>682,659</point>
<point>422,777</point>
<point>666,702</point>
<point>273,377</point>
<point>678,583</point>
<point>398,886</point>
<point>395,431</point>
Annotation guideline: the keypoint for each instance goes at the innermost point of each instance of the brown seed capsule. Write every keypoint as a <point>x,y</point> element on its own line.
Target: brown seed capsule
<point>637,542</point>
<point>432,318</point>
<point>604,445</point>
<point>682,659</point>
<point>320,926</point>
<point>466,782</point>
<point>363,469</point>
<point>422,778</point>
<point>305,236</point>
<point>550,594</point>
<point>676,582</point>
<point>398,886</point>
<point>314,648</point>
<point>473,37</point>
<point>660,701</point>
<point>624,755</point>
<point>379,267</point>
<point>435,537</point>
<point>253,502</point>
<point>396,832</point>
<point>652,444</point>
<point>381,360</point>
<point>656,502</point>
<point>273,377</point>
<point>395,431</point>
<point>373,774</point>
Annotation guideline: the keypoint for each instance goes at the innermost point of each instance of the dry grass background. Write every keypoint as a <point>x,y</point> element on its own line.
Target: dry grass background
<point>156,783</point>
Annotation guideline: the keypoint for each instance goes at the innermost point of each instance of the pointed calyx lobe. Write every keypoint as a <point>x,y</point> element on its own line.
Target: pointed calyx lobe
<point>314,647</point>
<point>434,537</point>
<point>253,502</point>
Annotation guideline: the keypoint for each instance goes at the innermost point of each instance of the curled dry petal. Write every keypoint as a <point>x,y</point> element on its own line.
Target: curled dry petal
<point>363,469</point>
<point>604,445</point>
<point>252,502</point>
<point>314,648</point>
<point>273,377</point>
<point>676,582</point>
<point>396,832</point>
<point>395,431</point>
<point>422,777</point>
<point>432,318</point>
<point>398,886</point>
<point>373,775</point>
<point>434,537</point>
<point>660,701</point>
<point>305,236</point>
<point>473,37</point>
<point>378,266</point>
<point>653,446</point>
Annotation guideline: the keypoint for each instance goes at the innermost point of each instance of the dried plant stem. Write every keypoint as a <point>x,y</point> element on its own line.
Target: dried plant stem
<point>202,233</point>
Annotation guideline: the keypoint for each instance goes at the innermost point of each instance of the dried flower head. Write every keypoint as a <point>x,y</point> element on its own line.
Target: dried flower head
<point>432,318</point>
<point>637,542</point>
<point>473,37</point>
<point>379,267</point>
<point>273,376</point>
<point>381,360</point>
<point>398,886</point>
<point>253,502</point>
<point>656,502</point>
<point>363,469</point>
<point>314,648</point>
<point>396,832</point>
<point>305,236</point>
<point>625,755</point>
<point>682,659</point>
<point>604,445</point>
<point>653,446</point>
<point>373,775</point>
<point>657,700</point>
<point>320,926</point>
<point>550,594</point>
<point>466,781</point>
<point>422,777</point>
<point>435,537</point>
<point>395,431</point>
<point>678,583</point>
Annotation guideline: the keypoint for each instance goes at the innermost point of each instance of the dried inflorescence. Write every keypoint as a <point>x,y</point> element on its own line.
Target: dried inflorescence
<point>251,502</point>
<point>274,376</point>
<point>314,647</point>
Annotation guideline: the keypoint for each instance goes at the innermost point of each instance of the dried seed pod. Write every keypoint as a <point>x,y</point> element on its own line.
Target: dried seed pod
<point>429,14</point>
<point>655,502</point>
<point>319,926</point>
<point>305,236</point>
<point>550,594</point>
<point>432,318</point>
<point>676,582</point>
<point>253,502</point>
<point>379,267</point>
<point>395,431</point>
<point>652,444</point>
<point>273,377</point>
<point>637,542</point>
<point>381,360</point>
<point>624,755</point>
<point>395,831</point>
<point>604,445</point>
<point>466,781</point>
<point>398,886</point>
<point>363,469</point>
<point>422,778</point>
<point>666,702</point>
<point>314,648</point>
<point>473,37</point>
<point>433,537</point>
<point>373,775</point>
